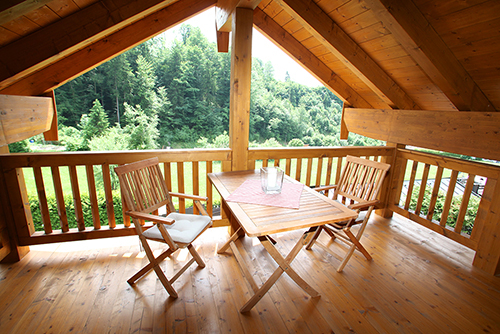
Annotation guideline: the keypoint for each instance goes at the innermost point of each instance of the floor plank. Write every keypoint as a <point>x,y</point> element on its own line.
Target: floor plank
<point>418,282</point>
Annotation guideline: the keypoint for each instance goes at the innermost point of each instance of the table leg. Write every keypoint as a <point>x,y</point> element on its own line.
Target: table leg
<point>233,238</point>
<point>284,266</point>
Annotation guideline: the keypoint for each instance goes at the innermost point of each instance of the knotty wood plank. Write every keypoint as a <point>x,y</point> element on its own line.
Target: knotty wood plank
<point>93,196</point>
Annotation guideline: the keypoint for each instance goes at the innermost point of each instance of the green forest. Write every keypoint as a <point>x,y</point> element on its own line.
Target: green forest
<point>177,95</point>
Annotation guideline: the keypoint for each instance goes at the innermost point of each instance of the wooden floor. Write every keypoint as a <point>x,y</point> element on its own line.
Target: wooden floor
<point>418,282</point>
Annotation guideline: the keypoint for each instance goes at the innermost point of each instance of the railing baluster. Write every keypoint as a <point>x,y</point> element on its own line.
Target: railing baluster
<point>411,184</point>
<point>319,172</point>
<point>423,186</point>
<point>309,171</point>
<point>42,200</point>
<point>449,197</point>
<point>77,199</point>
<point>298,169</point>
<point>435,192</point>
<point>288,166</point>
<point>93,196</point>
<point>339,170</point>
<point>108,191</point>
<point>464,204</point>
<point>61,208</point>
<point>180,186</point>
<point>196,183</point>
<point>209,189</point>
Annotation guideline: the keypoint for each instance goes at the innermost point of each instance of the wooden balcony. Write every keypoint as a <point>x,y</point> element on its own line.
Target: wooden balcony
<point>418,282</point>
<point>426,275</point>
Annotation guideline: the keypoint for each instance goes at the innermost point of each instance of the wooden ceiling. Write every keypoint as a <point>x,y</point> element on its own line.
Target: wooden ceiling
<point>399,54</point>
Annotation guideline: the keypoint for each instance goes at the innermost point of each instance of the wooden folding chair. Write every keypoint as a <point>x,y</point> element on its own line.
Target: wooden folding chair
<point>358,188</point>
<point>145,191</point>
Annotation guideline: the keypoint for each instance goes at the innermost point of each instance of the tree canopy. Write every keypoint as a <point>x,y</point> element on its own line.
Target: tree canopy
<point>177,95</point>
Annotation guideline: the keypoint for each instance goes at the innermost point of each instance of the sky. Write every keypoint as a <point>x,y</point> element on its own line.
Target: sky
<point>262,48</point>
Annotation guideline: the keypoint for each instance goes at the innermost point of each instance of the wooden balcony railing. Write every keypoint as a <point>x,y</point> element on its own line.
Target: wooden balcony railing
<point>91,179</point>
<point>436,185</point>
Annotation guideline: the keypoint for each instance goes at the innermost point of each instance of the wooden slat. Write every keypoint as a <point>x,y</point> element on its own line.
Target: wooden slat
<point>210,203</point>
<point>464,204</point>
<point>196,182</point>
<point>61,208</point>
<point>109,195</point>
<point>411,184</point>
<point>449,197</point>
<point>180,186</point>
<point>93,196</point>
<point>298,169</point>
<point>309,171</point>
<point>435,192</point>
<point>42,200</point>
<point>423,186</point>
<point>77,200</point>
<point>319,172</point>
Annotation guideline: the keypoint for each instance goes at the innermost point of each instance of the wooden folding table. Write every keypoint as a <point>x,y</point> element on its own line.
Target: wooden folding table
<point>261,221</point>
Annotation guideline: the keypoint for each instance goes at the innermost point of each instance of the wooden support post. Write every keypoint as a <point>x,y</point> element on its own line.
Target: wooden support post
<point>487,256</point>
<point>10,250</point>
<point>390,186</point>
<point>241,71</point>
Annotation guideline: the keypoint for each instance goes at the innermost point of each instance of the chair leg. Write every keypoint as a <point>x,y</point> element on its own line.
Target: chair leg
<point>154,264</point>
<point>315,236</point>
<point>358,245</point>
<point>196,256</point>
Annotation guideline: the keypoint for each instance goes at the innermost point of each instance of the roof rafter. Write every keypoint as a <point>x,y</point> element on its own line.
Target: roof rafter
<point>323,28</point>
<point>286,42</point>
<point>93,55</point>
<point>410,27</point>
<point>70,34</point>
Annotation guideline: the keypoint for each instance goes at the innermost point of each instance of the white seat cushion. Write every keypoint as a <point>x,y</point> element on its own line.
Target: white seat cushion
<point>185,229</point>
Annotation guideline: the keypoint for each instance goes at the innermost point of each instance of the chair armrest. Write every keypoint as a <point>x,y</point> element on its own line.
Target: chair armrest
<point>328,187</point>
<point>363,205</point>
<point>150,217</point>
<point>186,196</point>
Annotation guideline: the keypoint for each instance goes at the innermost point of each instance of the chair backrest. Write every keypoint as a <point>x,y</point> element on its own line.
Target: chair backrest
<point>360,180</point>
<point>143,186</point>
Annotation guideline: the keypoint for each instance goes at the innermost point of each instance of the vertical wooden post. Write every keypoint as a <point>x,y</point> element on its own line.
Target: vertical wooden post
<point>395,175</point>
<point>12,212</point>
<point>487,256</point>
<point>241,71</point>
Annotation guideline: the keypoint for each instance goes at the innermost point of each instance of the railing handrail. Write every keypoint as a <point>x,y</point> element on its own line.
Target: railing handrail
<point>47,159</point>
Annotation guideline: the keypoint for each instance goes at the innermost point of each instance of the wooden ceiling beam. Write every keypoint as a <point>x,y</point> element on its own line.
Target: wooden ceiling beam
<point>323,28</point>
<point>286,42</point>
<point>70,34</point>
<point>410,27</point>
<point>472,133</point>
<point>100,51</point>
<point>11,10</point>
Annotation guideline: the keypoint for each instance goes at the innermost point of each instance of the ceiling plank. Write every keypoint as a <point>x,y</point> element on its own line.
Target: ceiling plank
<point>67,68</point>
<point>286,42</point>
<point>472,133</point>
<point>323,28</point>
<point>70,34</point>
<point>410,27</point>
<point>11,10</point>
